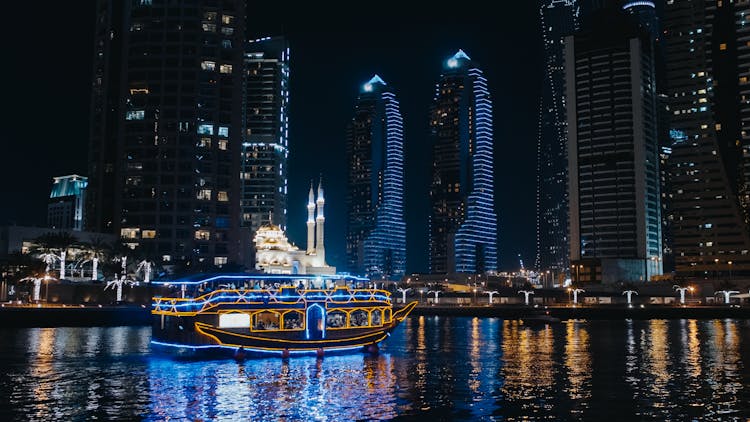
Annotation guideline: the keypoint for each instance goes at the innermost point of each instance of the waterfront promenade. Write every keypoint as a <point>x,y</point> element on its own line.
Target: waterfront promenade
<point>139,315</point>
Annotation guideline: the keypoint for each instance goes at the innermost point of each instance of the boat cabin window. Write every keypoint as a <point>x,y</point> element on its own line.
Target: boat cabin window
<point>266,321</point>
<point>376,317</point>
<point>293,320</point>
<point>387,315</point>
<point>358,318</point>
<point>234,320</point>
<point>336,319</point>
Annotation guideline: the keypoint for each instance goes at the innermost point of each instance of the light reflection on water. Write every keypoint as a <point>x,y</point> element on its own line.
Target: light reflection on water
<point>431,367</point>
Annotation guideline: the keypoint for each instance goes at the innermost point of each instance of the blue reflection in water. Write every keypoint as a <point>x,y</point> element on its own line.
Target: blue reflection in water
<point>334,388</point>
<point>430,368</point>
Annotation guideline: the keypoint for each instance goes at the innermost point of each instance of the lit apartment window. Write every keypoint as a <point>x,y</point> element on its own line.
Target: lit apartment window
<point>227,19</point>
<point>225,68</point>
<point>223,131</point>
<point>209,16</point>
<point>209,27</point>
<point>130,232</point>
<point>227,30</point>
<point>220,260</point>
<point>743,79</point>
<point>222,196</point>
<point>204,194</point>
<point>205,143</point>
<point>226,44</point>
<point>202,235</point>
<point>148,234</point>
<point>223,144</point>
<point>205,129</point>
<point>166,258</point>
<point>208,65</point>
<point>135,115</point>
<point>723,46</point>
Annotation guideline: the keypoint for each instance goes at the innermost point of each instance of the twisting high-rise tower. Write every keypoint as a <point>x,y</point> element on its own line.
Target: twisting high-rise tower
<point>376,231</point>
<point>463,223</point>
<point>559,18</point>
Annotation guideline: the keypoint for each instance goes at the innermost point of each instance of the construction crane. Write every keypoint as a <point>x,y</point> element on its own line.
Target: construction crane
<point>521,262</point>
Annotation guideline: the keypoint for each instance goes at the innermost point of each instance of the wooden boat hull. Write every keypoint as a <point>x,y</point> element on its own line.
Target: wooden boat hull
<point>197,336</point>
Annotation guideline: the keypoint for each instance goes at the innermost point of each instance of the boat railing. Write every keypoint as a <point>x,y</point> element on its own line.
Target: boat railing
<point>266,297</point>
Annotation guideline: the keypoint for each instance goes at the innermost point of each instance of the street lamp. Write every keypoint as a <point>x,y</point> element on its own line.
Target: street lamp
<point>437,292</point>
<point>630,294</point>
<point>575,295</point>
<point>682,292</point>
<point>403,294</point>
<point>492,293</point>
<point>526,294</point>
<point>726,294</point>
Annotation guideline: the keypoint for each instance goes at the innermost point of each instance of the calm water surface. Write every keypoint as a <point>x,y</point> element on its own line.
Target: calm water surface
<point>436,368</point>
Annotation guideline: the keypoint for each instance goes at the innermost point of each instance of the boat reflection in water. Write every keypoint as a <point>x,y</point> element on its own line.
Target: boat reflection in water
<point>272,314</point>
<point>340,387</point>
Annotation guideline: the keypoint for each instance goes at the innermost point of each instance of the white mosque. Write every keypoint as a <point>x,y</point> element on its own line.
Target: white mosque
<point>274,253</point>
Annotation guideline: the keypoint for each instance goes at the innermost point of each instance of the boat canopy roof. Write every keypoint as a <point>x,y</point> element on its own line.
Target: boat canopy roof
<point>196,279</point>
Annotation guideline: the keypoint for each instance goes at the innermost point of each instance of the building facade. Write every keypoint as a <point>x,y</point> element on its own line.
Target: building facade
<point>66,207</point>
<point>274,253</point>
<point>462,222</point>
<point>167,127</point>
<point>265,146</point>
<point>559,18</point>
<point>613,154</point>
<point>707,80</point>
<point>376,230</point>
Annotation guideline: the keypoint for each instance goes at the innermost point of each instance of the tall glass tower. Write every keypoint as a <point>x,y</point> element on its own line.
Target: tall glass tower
<point>376,231</point>
<point>559,18</point>
<point>263,172</point>
<point>463,222</point>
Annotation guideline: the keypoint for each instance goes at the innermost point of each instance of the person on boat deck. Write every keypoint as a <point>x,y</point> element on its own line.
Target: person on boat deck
<point>300,286</point>
<point>256,286</point>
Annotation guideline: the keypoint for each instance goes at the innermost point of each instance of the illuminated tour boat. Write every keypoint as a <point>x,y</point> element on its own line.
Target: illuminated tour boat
<point>278,314</point>
<point>295,304</point>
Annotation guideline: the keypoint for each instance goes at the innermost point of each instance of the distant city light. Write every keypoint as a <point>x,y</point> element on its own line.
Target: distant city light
<point>627,6</point>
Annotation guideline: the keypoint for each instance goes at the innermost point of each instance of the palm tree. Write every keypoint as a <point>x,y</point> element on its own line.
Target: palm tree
<point>95,251</point>
<point>51,247</point>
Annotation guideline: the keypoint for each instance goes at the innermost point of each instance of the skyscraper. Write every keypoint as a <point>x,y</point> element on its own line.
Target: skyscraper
<point>376,231</point>
<point>65,209</point>
<point>263,177</point>
<point>559,18</point>
<point>167,127</point>
<point>706,67</point>
<point>462,221</point>
<point>613,155</point>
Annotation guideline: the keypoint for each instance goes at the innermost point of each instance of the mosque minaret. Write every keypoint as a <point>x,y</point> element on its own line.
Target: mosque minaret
<point>320,224</point>
<point>276,255</point>
<point>311,221</point>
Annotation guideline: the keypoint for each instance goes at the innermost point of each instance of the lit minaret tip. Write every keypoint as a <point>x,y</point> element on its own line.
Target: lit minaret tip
<point>311,220</point>
<point>320,220</point>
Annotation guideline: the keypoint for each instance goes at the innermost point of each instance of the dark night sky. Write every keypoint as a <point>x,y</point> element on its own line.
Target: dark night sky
<point>47,75</point>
